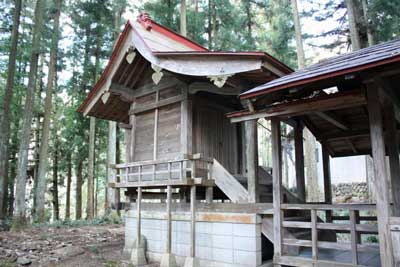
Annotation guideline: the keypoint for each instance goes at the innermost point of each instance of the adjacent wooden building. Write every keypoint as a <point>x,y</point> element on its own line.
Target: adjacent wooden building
<point>196,194</point>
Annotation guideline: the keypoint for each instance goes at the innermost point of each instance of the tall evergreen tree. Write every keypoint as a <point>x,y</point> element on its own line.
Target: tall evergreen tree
<point>19,217</point>
<point>5,114</point>
<point>44,144</point>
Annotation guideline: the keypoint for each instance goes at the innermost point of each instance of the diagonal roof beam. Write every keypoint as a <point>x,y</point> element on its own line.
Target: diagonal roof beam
<point>333,119</point>
<point>304,106</point>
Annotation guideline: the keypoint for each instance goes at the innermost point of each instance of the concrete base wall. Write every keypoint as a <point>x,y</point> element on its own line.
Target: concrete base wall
<point>222,239</point>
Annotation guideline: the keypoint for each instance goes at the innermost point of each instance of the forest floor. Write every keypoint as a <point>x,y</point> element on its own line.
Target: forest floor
<point>86,246</point>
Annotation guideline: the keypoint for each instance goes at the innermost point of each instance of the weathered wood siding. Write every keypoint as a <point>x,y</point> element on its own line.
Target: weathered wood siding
<point>161,126</point>
<point>144,133</point>
<point>169,131</point>
<point>213,134</point>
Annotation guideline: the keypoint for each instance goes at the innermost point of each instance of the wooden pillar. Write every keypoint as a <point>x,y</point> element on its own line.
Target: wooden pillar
<point>277,184</point>
<point>252,160</point>
<point>169,220</point>
<point>299,162</point>
<point>327,181</point>
<point>112,194</point>
<point>138,216</point>
<point>186,134</point>
<point>138,254</point>
<point>168,259</point>
<point>210,189</point>
<point>381,178</point>
<point>192,261</point>
<point>392,143</point>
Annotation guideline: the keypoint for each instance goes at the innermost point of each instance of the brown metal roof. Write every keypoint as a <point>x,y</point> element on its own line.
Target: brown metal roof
<point>363,59</point>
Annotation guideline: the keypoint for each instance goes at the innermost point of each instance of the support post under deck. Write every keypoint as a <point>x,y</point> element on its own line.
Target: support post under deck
<point>138,254</point>
<point>168,259</point>
<point>192,261</point>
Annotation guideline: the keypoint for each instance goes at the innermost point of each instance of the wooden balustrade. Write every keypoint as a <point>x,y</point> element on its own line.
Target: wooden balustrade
<point>181,171</point>
<point>350,224</point>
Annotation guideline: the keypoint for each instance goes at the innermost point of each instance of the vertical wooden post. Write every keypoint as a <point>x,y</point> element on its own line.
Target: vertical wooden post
<point>393,152</point>
<point>186,135</point>
<point>138,254</point>
<point>193,221</point>
<point>210,189</point>
<point>354,237</point>
<point>138,216</point>
<point>168,259</point>
<point>327,175</point>
<point>169,221</point>
<point>192,261</point>
<point>277,184</point>
<point>132,121</point>
<point>299,162</point>
<point>381,178</point>
<point>314,234</point>
<point>327,181</point>
<point>252,160</point>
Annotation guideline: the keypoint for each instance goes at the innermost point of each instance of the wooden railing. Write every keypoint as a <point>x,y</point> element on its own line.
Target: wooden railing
<point>350,223</point>
<point>185,170</point>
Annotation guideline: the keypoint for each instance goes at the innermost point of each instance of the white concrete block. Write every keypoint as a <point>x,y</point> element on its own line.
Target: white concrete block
<point>152,234</point>
<point>181,226</point>
<point>223,255</point>
<point>204,227</point>
<point>182,250</point>
<point>204,252</point>
<point>222,241</point>
<point>182,238</point>
<point>203,240</point>
<point>252,259</point>
<point>155,246</point>
<point>247,243</point>
<point>222,229</point>
<point>250,230</point>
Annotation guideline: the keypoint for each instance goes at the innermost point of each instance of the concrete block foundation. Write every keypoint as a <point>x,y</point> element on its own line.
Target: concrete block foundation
<point>222,239</point>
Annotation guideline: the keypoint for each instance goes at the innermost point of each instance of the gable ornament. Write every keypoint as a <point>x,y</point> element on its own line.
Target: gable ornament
<point>219,80</point>
<point>157,75</point>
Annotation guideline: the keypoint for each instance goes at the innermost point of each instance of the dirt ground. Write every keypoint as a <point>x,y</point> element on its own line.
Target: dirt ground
<point>86,246</point>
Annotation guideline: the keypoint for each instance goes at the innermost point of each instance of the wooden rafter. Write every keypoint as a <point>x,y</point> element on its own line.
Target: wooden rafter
<point>305,106</point>
<point>333,119</point>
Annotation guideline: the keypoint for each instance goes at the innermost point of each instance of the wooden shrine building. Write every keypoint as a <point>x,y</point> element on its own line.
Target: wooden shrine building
<point>195,193</point>
<point>351,104</point>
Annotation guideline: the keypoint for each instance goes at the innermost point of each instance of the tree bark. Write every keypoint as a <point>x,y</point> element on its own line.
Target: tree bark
<point>19,219</point>
<point>370,34</point>
<point>90,189</point>
<point>68,193</point>
<point>183,28</point>
<point>43,154</point>
<point>354,34</point>
<point>299,40</point>
<point>310,144</point>
<point>56,209</point>
<point>78,195</point>
<point>5,120</point>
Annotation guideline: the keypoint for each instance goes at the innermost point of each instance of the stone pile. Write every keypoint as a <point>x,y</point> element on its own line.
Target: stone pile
<point>350,192</point>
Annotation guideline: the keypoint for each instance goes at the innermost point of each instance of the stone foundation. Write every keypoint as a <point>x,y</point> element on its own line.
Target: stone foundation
<point>222,239</point>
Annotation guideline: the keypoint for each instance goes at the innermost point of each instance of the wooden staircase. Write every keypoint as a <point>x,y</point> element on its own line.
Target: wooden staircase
<point>233,188</point>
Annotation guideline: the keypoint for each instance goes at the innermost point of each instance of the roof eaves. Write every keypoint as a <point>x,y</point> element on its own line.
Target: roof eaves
<point>266,89</point>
